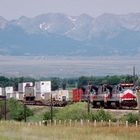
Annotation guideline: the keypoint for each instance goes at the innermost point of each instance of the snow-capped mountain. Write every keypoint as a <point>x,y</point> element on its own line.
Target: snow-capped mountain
<point>60,34</point>
<point>3,22</point>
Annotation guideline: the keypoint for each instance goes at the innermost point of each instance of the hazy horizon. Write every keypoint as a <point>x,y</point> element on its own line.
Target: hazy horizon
<point>64,67</point>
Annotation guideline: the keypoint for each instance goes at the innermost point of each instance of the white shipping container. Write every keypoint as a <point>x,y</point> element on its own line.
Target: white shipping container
<point>21,86</point>
<point>45,96</point>
<point>54,94</point>
<point>38,97</point>
<point>2,93</point>
<point>17,95</point>
<point>60,95</point>
<point>9,95</point>
<point>9,90</point>
<point>43,87</point>
<point>63,95</point>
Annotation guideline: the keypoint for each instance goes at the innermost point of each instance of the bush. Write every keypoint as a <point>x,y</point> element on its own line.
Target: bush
<point>130,117</point>
<point>47,115</point>
<point>75,111</point>
<point>16,110</point>
<point>78,111</point>
<point>101,115</point>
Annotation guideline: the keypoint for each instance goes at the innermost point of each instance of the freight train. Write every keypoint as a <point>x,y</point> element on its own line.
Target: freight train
<point>38,93</point>
<point>121,95</point>
<point>105,95</point>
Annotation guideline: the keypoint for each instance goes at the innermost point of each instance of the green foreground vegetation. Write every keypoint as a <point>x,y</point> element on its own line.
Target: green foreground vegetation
<point>15,111</point>
<point>21,131</point>
<point>18,132</point>
<point>79,111</point>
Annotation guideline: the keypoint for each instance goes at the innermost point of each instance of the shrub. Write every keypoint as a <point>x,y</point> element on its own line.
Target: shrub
<point>16,110</point>
<point>47,115</point>
<point>75,111</point>
<point>101,115</point>
<point>130,117</point>
<point>78,111</point>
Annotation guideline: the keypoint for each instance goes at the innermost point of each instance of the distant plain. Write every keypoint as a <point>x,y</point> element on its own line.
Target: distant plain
<point>59,66</point>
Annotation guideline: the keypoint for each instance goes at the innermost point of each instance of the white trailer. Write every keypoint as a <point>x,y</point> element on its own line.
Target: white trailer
<point>21,86</point>
<point>60,95</point>
<point>9,92</point>
<point>43,87</point>
<point>2,92</point>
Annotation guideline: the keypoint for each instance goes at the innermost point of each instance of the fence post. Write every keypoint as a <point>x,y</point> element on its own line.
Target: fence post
<point>118,123</point>
<point>65,122</point>
<point>138,97</point>
<point>101,122</point>
<point>87,122</point>
<point>75,122</point>
<point>136,123</point>
<point>109,123</point>
<point>70,122</point>
<point>126,123</point>
<point>50,122</point>
<point>95,123</point>
<point>59,122</point>
<point>40,123</point>
<point>54,122</point>
<point>81,122</point>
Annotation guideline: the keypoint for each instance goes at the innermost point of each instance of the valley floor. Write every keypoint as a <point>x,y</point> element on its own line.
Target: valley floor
<point>70,66</point>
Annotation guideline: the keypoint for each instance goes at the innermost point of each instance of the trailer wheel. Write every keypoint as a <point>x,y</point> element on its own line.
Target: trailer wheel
<point>118,105</point>
<point>102,104</point>
<point>108,104</point>
<point>94,105</point>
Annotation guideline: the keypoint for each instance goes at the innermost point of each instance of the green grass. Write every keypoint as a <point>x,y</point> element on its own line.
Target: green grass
<point>17,132</point>
<point>38,112</point>
<point>75,111</point>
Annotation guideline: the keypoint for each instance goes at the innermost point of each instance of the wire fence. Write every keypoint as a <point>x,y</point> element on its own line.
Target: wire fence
<point>73,123</point>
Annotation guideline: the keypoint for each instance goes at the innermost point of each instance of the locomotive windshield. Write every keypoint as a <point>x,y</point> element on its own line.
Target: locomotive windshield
<point>126,86</point>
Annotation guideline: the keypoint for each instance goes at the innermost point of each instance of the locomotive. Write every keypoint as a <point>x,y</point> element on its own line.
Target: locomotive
<point>121,95</point>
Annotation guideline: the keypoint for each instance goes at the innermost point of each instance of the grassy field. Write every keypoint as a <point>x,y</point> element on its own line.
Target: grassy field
<point>17,132</point>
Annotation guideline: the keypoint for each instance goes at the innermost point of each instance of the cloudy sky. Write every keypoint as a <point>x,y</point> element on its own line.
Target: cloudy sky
<point>12,9</point>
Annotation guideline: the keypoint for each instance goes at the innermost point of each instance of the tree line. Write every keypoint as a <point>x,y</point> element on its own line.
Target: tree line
<point>66,83</point>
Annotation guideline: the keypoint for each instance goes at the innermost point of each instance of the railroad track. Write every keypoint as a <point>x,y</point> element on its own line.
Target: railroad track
<point>45,103</point>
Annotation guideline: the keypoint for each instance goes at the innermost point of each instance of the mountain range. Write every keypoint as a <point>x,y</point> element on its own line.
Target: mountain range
<point>59,34</point>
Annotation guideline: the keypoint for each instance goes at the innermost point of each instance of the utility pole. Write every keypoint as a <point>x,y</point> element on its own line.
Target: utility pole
<point>51,110</point>
<point>138,97</point>
<point>25,112</point>
<point>88,104</point>
<point>134,75</point>
<point>5,107</point>
<point>88,97</point>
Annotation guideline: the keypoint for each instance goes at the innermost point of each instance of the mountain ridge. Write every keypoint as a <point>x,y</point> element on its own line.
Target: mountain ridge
<point>59,34</point>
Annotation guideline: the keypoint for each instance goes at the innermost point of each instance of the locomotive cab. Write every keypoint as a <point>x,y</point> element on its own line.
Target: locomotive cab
<point>103,94</point>
<point>127,95</point>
